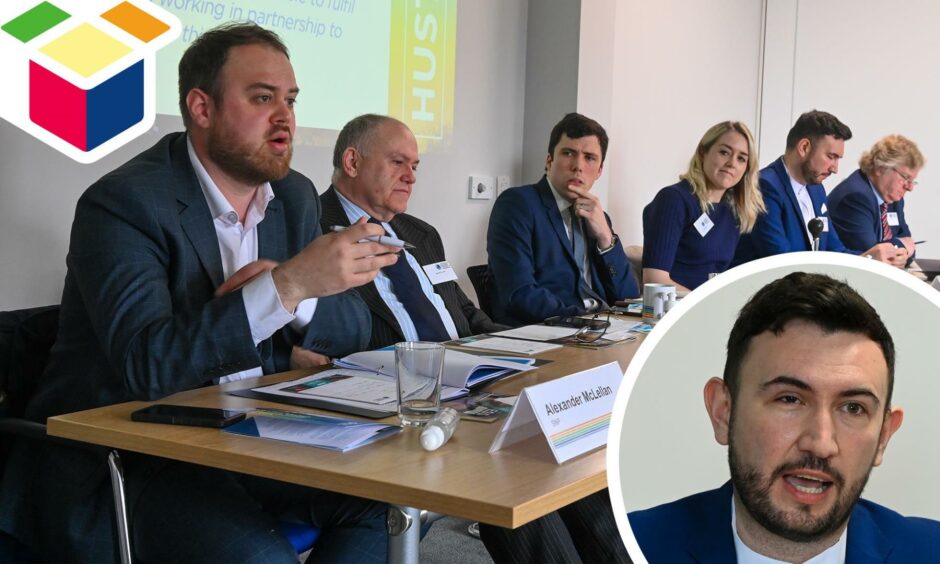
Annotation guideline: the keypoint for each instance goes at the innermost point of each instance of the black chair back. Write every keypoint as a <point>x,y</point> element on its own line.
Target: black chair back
<point>479,276</point>
<point>26,337</point>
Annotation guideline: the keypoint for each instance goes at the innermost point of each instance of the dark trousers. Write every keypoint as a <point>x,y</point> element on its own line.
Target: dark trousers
<point>584,531</point>
<point>187,513</point>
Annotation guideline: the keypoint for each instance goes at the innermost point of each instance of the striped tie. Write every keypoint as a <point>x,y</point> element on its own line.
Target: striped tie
<point>886,232</point>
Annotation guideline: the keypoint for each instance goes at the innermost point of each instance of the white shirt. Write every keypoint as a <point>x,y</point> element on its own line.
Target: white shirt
<point>835,554</point>
<point>806,203</point>
<point>384,285</point>
<point>238,246</point>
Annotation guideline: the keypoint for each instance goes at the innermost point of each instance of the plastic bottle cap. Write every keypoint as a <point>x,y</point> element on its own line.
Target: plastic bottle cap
<point>432,438</point>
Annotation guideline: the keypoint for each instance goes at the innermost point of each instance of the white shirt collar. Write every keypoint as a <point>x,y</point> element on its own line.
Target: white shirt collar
<point>797,187</point>
<point>219,207</point>
<point>354,212</point>
<point>835,554</point>
<point>878,197</point>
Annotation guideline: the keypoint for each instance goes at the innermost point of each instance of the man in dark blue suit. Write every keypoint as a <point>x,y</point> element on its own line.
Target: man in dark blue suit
<point>867,208</point>
<point>198,261</point>
<point>552,250</point>
<point>794,195</point>
<point>805,410</point>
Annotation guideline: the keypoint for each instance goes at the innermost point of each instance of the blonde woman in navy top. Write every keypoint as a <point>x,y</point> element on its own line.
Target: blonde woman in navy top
<point>691,229</point>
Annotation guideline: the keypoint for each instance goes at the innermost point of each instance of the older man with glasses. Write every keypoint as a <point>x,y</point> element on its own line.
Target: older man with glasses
<point>867,208</point>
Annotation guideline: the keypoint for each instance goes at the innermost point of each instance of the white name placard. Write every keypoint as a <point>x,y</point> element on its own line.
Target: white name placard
<point>571,413</point>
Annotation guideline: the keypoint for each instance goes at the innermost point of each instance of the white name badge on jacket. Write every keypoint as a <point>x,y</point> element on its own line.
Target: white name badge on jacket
<point>703,224</point>
<point>440,272</point>
<point>893,219</point>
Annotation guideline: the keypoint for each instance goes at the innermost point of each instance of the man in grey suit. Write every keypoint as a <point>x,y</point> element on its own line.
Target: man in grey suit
<point>374,168</point>
<point>198,261</point>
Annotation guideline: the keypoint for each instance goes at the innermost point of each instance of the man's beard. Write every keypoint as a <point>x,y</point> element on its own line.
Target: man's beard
<point>245,163</point>
<point>810,175</point>
<point>796,525</point>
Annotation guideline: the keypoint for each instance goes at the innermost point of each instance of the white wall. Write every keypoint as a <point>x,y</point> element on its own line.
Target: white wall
<point>551,76</point>
<point>39,187</point>
<point>872,63</point>
<point>679,67</point>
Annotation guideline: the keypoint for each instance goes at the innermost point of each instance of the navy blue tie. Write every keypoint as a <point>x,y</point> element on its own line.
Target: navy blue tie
<point>407,288</point>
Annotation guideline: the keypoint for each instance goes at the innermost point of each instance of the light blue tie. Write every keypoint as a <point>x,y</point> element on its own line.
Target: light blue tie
<point>580,255</point>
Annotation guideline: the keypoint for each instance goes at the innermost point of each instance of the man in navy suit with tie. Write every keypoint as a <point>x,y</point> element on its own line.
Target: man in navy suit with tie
<point>868,207</point>
<point>794,195</point>
<point>805,410</point>
<point>552,250</point>
<point>375,164</point>
<point>198,261</point>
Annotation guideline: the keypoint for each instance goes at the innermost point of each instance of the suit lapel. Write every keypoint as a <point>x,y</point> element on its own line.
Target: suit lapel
<point>406,231</point>
<point>272,233</point>
<point>787,188</point>
<point>866,543</point>
<point>872,202</point>
<point>195,219</point>
<point>710,541</point>
<point>554,217</point>
<point>333,214</point>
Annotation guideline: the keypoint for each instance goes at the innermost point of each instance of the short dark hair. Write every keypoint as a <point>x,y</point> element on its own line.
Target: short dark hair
<point>203,60</point>
<point>815,124</point>
<point>576,126</point>
<point>829,304</point>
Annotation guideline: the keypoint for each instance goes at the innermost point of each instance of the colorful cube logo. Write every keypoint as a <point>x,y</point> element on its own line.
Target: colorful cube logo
<point>88,67</point>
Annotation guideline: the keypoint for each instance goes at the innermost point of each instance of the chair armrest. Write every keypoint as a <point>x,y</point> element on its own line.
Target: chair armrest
<point>18,427</point>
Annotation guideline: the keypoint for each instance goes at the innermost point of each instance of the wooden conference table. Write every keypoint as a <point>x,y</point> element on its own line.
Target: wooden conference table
<point>508,488</point>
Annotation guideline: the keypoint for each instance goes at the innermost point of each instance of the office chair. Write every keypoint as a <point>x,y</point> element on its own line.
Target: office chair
<point>26,336</point>
<point>480,278</point>
<point>635,256</point>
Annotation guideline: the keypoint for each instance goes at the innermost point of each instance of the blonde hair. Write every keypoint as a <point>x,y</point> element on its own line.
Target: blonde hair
<point>744,198</point>
<point>890,152</point>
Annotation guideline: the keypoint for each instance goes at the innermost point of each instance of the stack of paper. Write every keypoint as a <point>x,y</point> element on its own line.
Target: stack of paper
<point>462,371</point>
<point>333,433</point>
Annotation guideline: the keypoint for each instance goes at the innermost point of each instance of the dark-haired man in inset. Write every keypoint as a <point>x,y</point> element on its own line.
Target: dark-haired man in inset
<point>552,250</point>
<point>794,195</point>
<point>805,410</point>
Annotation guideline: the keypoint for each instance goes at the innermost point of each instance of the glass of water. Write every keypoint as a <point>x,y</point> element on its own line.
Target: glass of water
<point>418,366</point>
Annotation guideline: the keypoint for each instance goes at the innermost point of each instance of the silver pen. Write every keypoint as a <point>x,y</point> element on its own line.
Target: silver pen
<point>381,239</point>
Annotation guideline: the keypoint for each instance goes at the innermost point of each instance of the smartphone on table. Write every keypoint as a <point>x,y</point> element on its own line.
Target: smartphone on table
<point>188,415</point>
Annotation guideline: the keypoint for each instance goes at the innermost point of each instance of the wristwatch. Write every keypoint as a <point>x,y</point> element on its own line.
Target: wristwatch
<point>613,243</point>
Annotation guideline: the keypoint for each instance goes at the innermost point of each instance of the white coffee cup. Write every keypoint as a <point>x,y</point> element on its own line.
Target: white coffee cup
<point>657,300</point>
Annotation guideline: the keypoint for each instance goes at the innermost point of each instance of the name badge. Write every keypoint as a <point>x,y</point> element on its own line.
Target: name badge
<point>893,220</point>
<point>440,272</point>
<point>823,208</point>
<point>703,224</point>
